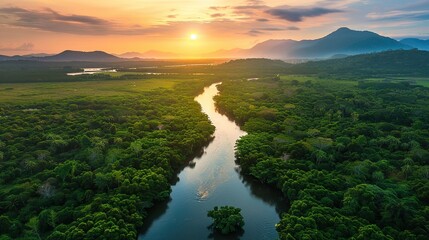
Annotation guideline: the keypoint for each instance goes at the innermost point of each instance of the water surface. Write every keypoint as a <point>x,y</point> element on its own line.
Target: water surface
<point>90,71</point>
<point>212,180</point>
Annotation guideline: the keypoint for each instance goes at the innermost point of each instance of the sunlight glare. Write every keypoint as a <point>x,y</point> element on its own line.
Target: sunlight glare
<point>193,36</point>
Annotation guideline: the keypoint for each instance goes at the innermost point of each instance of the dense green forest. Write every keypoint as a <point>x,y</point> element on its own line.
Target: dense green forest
<point>350,157</point>
<point>390,63</point>
<point>399,62</point>
<point>86,156</point>
<point>89,167</point>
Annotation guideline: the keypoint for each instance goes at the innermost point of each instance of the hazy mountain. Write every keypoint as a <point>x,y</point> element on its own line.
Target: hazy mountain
<point>37,55</point>
<point>16,58</point>
<point>4,58</point>
<point>69,55</point>
<point>343,41</point>
<point>416,43</point>
<point>251,65</point>
<point>228,53</point>
<point>346,41</point>
<point>149,54</point>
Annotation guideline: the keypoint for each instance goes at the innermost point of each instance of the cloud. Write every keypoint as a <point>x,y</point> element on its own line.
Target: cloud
<point>263,30</point>
<point>399,15</point>
<point>278,29</point>
<point>22,47</point>
<point>253,19</point>
<point>251,7</point>
<point>298,14</point>
<point>255,2</point>
<point>254,33</point>
<point>52,21</point>
<point>218,8</point>
<point>215,15</point>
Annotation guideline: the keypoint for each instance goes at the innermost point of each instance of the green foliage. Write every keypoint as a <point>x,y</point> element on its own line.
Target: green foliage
<point>350,157</point>
<point>90,167</point>
<point>226,219</point>
<point>399,62</point>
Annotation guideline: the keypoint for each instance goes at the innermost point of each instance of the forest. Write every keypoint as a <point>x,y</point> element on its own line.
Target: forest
<point>86,157</point>
<point>350,157</point>
<point>88,167</point>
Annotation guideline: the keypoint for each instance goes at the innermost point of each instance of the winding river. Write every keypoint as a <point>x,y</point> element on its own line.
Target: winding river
<point>213,179</point>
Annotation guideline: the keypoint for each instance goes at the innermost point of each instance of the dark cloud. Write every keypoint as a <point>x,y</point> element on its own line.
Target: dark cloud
<point>50,20</point>
<point>217,8</point>
<point>298,14</point>
<point>77,18</point>
<point>255,21</point>
<point>249,10</point>
<point>293,28</point>
<point>254,33</point>
<point>250,7</point>
<point>22,47</point>
<point>215,15</point>
<point>272,29</point>
<point>262,30</point>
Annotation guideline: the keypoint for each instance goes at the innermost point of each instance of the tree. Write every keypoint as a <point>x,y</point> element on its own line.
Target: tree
<point>371,232</point>
<point>46,220</point>
<point>33,225</point>
<point>227,219</point>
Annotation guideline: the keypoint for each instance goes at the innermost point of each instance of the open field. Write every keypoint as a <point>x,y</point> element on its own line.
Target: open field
<point>23,92</point>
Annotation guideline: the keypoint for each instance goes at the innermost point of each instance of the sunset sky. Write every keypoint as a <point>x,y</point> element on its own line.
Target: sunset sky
<point>118,26</point>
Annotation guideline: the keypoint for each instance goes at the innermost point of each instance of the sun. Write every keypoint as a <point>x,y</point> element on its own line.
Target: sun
<point>193,36</point>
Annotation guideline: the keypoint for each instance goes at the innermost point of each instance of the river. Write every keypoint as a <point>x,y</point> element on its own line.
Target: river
<point>213,179</point>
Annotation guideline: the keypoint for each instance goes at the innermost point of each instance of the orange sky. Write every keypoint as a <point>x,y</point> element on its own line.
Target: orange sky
<point>51,26</point>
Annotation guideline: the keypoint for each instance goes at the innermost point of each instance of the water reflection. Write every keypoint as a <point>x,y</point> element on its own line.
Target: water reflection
<point>90,71</point>
<point>213,180</point>
<point>219,236</point>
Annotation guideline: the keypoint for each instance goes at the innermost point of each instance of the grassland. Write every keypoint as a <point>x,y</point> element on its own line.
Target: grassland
<point>24,92</point>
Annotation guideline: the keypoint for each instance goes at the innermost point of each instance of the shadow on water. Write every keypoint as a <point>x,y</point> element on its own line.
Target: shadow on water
<point>154,213</point>
<point>192,161</point>
<point>267,193</point>
<point>216,235</point>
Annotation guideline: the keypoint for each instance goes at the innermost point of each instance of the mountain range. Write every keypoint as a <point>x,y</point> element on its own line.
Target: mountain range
<point>416,43</point>
<point>343,41</point>
<point>67,56</point>
<point>152,54</point>
<point>340,43</point>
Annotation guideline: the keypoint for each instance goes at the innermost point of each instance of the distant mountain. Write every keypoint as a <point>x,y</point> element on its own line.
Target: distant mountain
<point>253,64</point>
<point>149,54</point>
<point>343,41</point>
<point>347,41</point>
<point>4,58</point>
<point>416,43</point>
<point>37,55</point>
<point>69,56</point>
